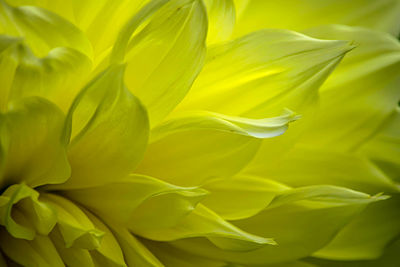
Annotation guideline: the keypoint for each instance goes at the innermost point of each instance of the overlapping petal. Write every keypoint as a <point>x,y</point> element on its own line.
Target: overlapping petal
<point>234,141</point>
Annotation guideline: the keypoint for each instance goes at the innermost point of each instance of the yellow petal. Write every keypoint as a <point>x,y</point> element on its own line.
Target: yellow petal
<point>292,219</point>
<point>56,77</point>
<point>298,15</point>
<point>203,222</point>
<point>144,202</point>
<point>38,252</point>
<point>221,20</point>
<point>241,196</point>
<point>164,58</point>
<point>109,131</point>
<point>365,86</point>
<point>75,227</point>
<point>196,146</point>
<point>23,215</point>
<point>312,166</point>
<point>367,235</point>
<point>34,143</point>
<point>264,72</point>
<point>41,29</point>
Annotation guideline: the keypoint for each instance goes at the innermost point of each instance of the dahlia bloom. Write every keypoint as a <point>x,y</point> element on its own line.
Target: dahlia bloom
<point>156,133</point>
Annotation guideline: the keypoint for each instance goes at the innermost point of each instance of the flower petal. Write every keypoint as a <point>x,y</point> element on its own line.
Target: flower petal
<point>57,77</point>
<point>365,87</point>
<point>75,227</point>
<point>105,106</point>
<point>34,143</point>
<point>264,72</point>
<point>164,58</point>
<point>23,214</point>
<point>206,145</point>
<point>312,166</point>
<point>221,20</point>
<point>293,221</point>
<point>367,235</point>
<point>298,15</point>
<point>41,29</point>
<point>38,252</point>
<point>143,201</point>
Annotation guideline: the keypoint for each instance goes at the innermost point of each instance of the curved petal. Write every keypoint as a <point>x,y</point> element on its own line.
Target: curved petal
<point>206,145</point>
<point>144,202</point>
<point>365,86</point>
<point>57,76</point>
<point>34,143</point>
<point>38,252</point>
<point>299,15</point>
<point>367,235</point>
<point>203,222</point>
<point>312,166</point>
<point>75,227</point>
<point>264,72</point>
<point>23,214</point>
<point>221,20</point>
<point>165,56</point>
<point>41,29</point>
<point>293,219</point>
<point>105,106</point>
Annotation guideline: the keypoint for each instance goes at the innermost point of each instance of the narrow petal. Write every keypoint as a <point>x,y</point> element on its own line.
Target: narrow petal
<point>75,227</point>
<point>144,202</point>
<point>23,214</point>
<point>365,87</point>
<point>105,106</point>
<point>41,29</point>
<point>313,166</point>
<point>293,221</point>
<point>34,143</point>
<point>56,77</point>
<point>38,252</point>
<point>221,20</point>
<point>264,72</point>
<point>164,58</point>
<point>206,145</point>
<point>299,15</point>
<point>367,235</point>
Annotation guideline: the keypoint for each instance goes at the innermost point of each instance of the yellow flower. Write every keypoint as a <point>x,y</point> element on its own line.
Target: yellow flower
<point>140,133</point>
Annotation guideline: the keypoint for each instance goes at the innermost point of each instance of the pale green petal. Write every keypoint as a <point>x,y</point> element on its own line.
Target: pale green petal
<point>313,166</point>
<point>195,146</point>
<point>109,253</point>
<point>221,20</point>
<point>109,131</point>
<point>241,196</point>
<point>23,215</point>
<point>381,15</point>
<point>57,77</point>
<point>165,56</point>
<point>171,256</point>
<point>264,72</point>
<point>41,29</point>
<point>34,143</point>
<point>204,120</point>
<point>384,148</point>
<point>93,17</point>
<point>361,93</point>
<point>136,254</point>
<point>202,222</point>
<point>301,221</point>
<point>367,235</point>
<point>38,252</point>
<point>143,202</point>
<point>75,227</point>
<point>73,257</point>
